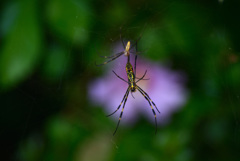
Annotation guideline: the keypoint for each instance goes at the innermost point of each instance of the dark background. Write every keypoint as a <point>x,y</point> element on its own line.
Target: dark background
<point>47,55</point>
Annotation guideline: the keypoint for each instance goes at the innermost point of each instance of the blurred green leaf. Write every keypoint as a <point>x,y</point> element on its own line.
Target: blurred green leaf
<point>21,50</point>
<point>64,136</point>
<point>8,17</point>
<point>184,26</point>
<point>70,19</point>
<point>120,10</point>
<point>100,145</point>
<point>56,63</point>
<point>233,75</point>
<point>31,149</point>
<point>154,44</point>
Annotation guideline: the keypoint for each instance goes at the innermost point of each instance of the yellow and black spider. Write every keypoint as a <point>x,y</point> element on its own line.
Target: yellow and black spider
<point>133,87</point>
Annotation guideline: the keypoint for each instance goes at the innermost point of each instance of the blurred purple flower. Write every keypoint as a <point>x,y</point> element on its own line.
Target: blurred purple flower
<point>165,88</point>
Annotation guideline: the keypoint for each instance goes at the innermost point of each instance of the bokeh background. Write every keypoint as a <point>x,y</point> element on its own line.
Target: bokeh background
<point>48,51</point>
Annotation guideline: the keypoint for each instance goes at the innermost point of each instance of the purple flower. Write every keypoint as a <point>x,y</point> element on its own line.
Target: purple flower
<point>165,87</point>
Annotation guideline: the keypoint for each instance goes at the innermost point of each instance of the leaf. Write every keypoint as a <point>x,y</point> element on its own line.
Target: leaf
<point>20,51</point>
<point>70,19</point>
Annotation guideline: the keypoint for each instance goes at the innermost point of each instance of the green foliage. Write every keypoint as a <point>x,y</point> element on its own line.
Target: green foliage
<point>69,19</point>
<point>21,50</point>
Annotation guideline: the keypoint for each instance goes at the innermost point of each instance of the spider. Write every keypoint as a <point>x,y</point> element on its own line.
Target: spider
<point>133,87</point>
<point>126,52</point>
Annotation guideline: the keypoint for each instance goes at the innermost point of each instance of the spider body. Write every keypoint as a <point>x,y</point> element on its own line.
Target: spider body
<point>131,77</point>
<point>132,86</point>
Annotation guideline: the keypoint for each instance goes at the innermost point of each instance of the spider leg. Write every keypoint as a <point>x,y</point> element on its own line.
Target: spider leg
<point>109,60</point>
<point>148,98</point>
<point>142,76</point>
<point>138,38</point>
<point>135,70</point>
<point>138,52</point>
<point>132,95</point>
<point>108,57</point>
<point>120,77</point>
<point>120,117</point>
<point>143,79</point>
<point>127,92</point>
<point>154,113</point>
<point>136,41</point>
<point>121,37</point>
